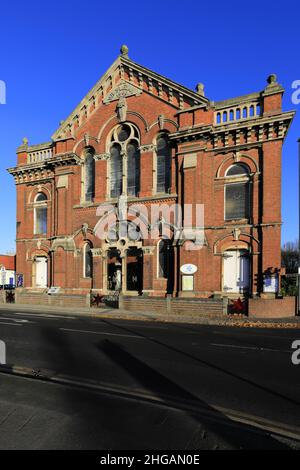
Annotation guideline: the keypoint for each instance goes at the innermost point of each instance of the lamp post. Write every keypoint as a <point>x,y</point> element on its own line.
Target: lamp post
<point>299,227</point>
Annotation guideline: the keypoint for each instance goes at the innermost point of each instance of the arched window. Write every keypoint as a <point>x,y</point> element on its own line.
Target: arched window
<point>89,175</point>
<point>164,248</point>
<point>40,214</point>
<point>124,172</point>
<point>163,164</point>
<point>115,171</point>
<point>237,193</point>
<point>87,261</point>
<point>133,169</point>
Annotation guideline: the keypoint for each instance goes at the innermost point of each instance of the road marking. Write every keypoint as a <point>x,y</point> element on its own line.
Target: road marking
<point>15,320</point>
<point>101,333</point>
<point>43,315</point>
<point>11,324</point>
<point>253,348</point>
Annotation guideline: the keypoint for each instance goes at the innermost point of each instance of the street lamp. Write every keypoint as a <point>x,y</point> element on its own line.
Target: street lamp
<point>299,227</point>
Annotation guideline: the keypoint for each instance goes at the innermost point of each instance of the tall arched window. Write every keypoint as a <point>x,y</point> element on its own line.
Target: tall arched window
<point>163,164</point>
<point>124,172</point>
<point>89,175</point>
<point>237,192</point>
<point>115,171</point>
<point>40,214</point>
<point>87,261</point>
<point>133,168</point>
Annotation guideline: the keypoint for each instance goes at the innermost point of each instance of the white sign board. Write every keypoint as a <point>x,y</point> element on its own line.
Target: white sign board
<point>271,283</point>
<point>53,290</point>
<point>188,268</point>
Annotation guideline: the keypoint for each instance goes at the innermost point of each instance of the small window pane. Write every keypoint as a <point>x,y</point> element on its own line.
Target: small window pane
<point>40,220</point>
<point>115,171</point>
<point>163,164</point>
<point>133,169</point>
<point>123,133</point>
<point>89,177</point>
<point>237,201</point>
<point>237,170</point>
<point>88,267</point>
<point>41,197</point>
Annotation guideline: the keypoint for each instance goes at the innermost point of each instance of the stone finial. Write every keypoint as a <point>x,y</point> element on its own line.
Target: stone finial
<point>272,79</point>
<point>61,122</point>
<point>25,141</point>
<point>124,50</point>
<point>200,89</point>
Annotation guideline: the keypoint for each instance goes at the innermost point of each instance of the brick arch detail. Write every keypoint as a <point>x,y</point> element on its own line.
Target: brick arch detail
<point>248,160</point>
<point>243,241</point>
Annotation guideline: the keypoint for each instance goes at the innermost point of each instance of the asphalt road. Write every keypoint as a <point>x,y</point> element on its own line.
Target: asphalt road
<point>140,367</point>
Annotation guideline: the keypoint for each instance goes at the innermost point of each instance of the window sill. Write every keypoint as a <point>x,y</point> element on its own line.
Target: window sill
<point>236,221</point>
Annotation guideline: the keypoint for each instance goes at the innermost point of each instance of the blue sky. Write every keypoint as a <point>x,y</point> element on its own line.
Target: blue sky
<point>52,53</point>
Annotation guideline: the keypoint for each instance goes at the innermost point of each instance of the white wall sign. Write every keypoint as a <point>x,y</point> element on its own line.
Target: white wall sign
<point>271,283</point>
<point>187,282</point>
<point>188,268</point>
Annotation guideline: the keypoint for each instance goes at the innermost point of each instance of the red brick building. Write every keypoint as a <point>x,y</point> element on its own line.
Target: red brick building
<point>141,135</point>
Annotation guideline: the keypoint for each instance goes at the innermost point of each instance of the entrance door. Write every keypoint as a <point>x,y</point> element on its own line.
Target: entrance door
<point>236,271</point>
<point>114,270</point>
<point>134,274</point>
<point>41,271</point>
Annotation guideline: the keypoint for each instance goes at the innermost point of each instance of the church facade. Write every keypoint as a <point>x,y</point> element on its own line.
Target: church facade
<point>140,139</point>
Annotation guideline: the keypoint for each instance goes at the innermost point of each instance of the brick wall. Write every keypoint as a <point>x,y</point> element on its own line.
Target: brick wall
<point>205,307</point>
<point>272,308</point>
<point>62,300</point>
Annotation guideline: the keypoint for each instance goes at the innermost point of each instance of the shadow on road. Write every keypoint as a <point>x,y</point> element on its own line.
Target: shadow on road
<point>222,429</point>
<point>206,363</point>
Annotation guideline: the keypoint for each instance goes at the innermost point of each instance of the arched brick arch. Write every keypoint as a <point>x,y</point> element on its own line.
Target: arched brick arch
<point>33,252</point>
<point>246,159</point>
<point>81,145</point>
<point>168,125</point>
<point>41,188</point>
<point>236,239</point>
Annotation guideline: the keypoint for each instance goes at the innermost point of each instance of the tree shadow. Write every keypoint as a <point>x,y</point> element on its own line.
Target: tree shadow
<point>208,418</point>
<point>206,363</point>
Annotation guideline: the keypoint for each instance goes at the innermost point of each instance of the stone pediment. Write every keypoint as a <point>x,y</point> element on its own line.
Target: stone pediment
<point>122,90</point>
<point>123,79</point>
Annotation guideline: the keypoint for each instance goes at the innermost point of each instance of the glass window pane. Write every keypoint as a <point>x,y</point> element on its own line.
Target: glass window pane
<point>237,169</point>
<point>123,133</point>
<point>115,171</point>
<point>89,177</point>
<point>41,197</point>
<point>88,262</point>
<point>237,201</point>
<point>163,164</point>
<point>133,169</point>
<point>41,220</point>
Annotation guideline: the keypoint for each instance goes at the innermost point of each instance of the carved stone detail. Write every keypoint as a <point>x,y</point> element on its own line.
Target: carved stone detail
<point>236,234</point>
<point>96,252</point>
<point>122,90</point>
<point>122,109</point>
<point>102,156</point>
<point>147,148</point>
<point>161,121</point>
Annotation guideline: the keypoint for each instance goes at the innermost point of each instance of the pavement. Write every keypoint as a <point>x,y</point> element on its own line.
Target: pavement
<point>108,312</point>
<point>84,382</point>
